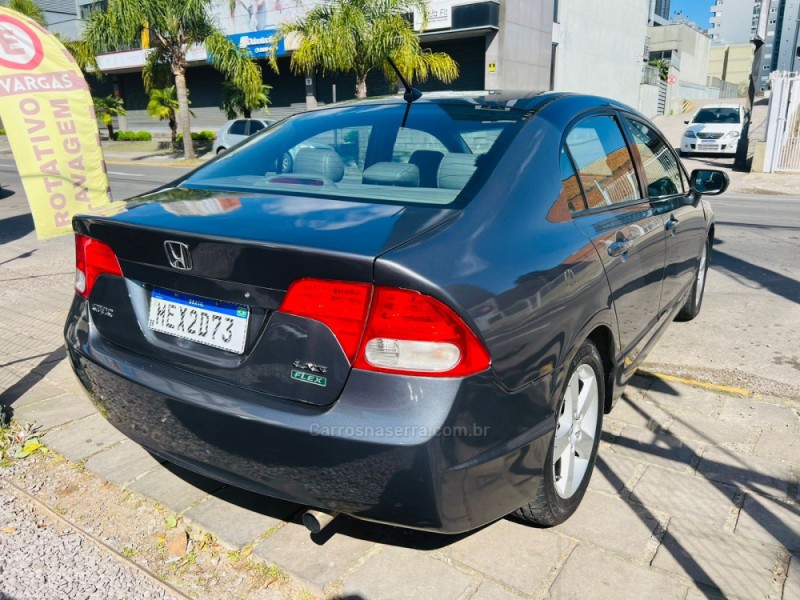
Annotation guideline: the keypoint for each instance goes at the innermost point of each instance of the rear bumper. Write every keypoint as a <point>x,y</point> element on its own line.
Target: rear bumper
<point>441,455</point>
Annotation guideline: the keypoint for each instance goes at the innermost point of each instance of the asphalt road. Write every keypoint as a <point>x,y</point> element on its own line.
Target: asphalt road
<point>746,335</point>
<point>748,330</point>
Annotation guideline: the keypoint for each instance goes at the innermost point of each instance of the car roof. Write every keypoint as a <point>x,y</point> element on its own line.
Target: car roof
<point>524,100</point>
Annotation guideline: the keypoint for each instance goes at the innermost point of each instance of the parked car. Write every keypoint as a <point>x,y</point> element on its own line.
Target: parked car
<point>714,129</point>
<point>425,335</point>
<point>237,130</point>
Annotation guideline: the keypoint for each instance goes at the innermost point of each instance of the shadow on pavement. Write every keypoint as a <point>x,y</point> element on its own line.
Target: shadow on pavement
<point>14,228</point>
<point>741,478</point>
<point>6,193</point>
<point>771,280</point>
<point>34,376</point>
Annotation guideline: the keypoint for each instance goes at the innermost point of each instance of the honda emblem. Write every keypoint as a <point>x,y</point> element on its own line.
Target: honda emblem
<point>178,255</point>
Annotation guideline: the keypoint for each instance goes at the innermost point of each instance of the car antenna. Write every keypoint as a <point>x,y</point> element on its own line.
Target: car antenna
<point>410,95</point>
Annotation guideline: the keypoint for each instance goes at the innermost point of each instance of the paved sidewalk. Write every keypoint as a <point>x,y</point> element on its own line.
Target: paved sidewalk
<point>696,492</point>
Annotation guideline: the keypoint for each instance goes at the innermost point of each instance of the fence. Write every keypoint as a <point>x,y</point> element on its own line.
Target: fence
<point>783,125</point>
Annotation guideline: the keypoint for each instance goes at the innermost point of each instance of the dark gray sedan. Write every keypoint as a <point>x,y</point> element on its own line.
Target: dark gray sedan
<point>420,319</point>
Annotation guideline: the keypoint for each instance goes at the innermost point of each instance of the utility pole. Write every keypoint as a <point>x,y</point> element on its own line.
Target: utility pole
<point>740,162</point>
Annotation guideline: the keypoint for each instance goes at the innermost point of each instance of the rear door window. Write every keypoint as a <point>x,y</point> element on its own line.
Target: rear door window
<point>255,126</point>
<point>238,128</point>
<point>661,170</point>
<point>605,167</point>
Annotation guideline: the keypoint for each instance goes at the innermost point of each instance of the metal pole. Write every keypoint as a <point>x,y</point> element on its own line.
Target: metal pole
<point>740,162</point>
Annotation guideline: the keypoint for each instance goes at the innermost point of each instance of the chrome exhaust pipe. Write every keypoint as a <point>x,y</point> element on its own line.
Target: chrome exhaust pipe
<point>317,520</point>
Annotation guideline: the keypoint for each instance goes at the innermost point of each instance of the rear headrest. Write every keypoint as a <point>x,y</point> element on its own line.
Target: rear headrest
<point>319,161</point>
<point>455,170</point>
<point>392,173</point>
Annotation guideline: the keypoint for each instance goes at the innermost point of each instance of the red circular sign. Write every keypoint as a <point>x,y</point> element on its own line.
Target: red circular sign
<point>20,48</point>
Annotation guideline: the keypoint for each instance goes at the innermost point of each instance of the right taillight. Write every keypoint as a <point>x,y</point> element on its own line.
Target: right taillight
<point>92,259</point>
<point>390,330</point>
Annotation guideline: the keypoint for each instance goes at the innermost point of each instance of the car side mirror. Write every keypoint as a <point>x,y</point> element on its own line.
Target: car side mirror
<point>709,182</point>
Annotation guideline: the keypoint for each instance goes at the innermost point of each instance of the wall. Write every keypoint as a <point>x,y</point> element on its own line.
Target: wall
<point>601,47</point>
<point>693,51</point>
<point>731,63</point>
<point>521,50</point>
<point>648,100</point>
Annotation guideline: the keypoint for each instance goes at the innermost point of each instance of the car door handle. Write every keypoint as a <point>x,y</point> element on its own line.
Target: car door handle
<point>619,247</point>
<point>672,224</point>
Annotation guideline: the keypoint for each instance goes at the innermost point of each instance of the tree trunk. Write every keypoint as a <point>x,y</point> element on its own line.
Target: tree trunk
<point>247,113</point>
<point>173,126</point>
<point>361,85</point>
<point>110,131</point>
<point>183,111</point>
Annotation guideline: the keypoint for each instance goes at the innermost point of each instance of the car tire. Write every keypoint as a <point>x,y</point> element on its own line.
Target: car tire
<point>694,302</point>
<point>287,163</point>
<point>581,404</point>
<point>220,150</point>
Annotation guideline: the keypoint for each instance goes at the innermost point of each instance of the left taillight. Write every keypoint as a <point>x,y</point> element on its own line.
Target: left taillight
<point>92,259</point>
<point>390,330</point>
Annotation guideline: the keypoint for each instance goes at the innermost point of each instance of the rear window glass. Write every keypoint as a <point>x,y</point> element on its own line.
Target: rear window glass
<point>238,128</point>
<point>361,152</point>
<point>717,115</point>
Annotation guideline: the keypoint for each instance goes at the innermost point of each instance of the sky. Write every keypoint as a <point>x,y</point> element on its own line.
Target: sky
<point>698,11</point>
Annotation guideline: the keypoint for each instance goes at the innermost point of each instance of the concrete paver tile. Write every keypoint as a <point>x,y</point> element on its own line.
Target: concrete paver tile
<point>757,412</point>
<point>123,463</point>
<point>611,472</point>
<point>735,565</point>
<point>747,472</point>
<point>81,439</point>
<point>656,448</point>
<point>29,389</point>
<point>590,574</point>
<point>612,524</point>
<point>682,399</point>
<point>535,552</point>
<point>491,591</point>
<point>686,496</point>
<point>173,487</point>
<point>783,446</point>
<point>320,559</point>
<point>237,517</point>
<point>710,430</point>
<point>54,411</point>
<point>639,414</point>
<point>771,521</point>
<point>417,574</point>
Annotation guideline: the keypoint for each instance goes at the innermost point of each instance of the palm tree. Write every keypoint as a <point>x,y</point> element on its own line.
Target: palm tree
<point>106,109</point>
<point>163,105</point>
<point>358,36</point>
<point>235,102</point>
<point>174,26</point>
<point>29,8</point>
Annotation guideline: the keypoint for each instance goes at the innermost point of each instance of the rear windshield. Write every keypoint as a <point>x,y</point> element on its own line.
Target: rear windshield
<point>361,152</point>
<point>717,115</point>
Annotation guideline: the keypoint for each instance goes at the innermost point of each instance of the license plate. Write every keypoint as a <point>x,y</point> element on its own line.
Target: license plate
<point>210,322</point>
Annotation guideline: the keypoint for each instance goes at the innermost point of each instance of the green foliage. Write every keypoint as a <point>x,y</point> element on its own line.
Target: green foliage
<point>173,26</point>
<point>234,101</point>
<point>163,105</point>
<point>106,109</point>
<point>29,8</point>
<point>359,36</point>
<point>134,136</point>
<point>663,67</point>
<point>2,131</point>
<point>199,136</point>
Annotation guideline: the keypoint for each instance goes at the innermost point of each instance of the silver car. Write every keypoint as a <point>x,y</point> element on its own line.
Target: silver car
<point>235,131</point>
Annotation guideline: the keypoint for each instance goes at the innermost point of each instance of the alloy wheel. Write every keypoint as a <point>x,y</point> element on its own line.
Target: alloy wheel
<point>576,429</point>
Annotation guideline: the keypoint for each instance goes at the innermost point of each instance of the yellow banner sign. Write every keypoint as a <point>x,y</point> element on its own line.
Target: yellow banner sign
<point>49,118</point>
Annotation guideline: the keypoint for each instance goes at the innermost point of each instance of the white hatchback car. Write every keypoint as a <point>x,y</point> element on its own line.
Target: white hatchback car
<point>235,131</point>
<point>714,129</point>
